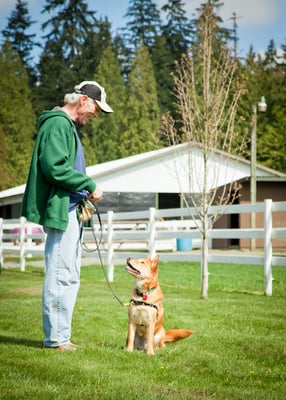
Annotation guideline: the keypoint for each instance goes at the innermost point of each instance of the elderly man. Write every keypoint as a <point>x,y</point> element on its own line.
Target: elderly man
<point>57,182</point>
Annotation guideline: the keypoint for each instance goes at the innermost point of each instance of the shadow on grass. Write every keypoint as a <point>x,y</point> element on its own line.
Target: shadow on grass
<point>21,341</point>
<point>247,292</point>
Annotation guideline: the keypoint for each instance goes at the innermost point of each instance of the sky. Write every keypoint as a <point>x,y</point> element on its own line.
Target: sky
<point>258,21</point>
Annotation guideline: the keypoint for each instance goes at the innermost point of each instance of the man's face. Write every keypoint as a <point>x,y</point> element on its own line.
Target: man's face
<point>87,109</point>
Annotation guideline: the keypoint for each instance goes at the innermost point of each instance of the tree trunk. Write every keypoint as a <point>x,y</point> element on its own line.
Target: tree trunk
<point>204,260</point>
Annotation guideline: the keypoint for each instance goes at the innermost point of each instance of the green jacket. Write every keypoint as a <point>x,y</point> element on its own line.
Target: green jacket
<point>52,177</point>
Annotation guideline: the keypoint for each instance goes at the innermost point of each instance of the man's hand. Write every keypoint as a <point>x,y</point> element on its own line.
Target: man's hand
<point>96,195</point>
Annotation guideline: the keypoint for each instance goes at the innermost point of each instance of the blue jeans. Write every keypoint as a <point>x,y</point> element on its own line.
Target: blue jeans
<point>61,282</point>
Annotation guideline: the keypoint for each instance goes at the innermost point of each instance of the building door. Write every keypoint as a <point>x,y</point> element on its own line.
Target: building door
<point>168,200</point>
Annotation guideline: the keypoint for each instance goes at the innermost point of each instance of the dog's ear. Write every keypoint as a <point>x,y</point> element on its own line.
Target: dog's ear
<point>155,262</point>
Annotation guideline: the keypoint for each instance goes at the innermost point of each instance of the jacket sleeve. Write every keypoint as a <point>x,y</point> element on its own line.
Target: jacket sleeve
<point>57,154</point>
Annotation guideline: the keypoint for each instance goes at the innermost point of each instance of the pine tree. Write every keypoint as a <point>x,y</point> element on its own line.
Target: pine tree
<point>177,30</point>
<point>265,77</point>
<point>5,176</point>
<point>89,150</point>
<point>15,32</point>
<point>105,132</point>
<point>124,51</point>
<point>17,119</point>
<point>233,34</point>
<point>144,23</point>
<point>61,65</point>
<point>163,62</point>
<point>143,119</point>
<point>253,71</point>
<point>97,40</point>
<point>271,55</point>
<point>271,140</point>
<point>19,23</point>
<point>168,48</point>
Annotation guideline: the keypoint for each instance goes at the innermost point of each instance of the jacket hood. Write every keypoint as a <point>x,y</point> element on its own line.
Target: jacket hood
<point>56,112</point>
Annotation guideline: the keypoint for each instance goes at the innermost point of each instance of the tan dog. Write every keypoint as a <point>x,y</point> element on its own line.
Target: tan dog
<point>146,313</point>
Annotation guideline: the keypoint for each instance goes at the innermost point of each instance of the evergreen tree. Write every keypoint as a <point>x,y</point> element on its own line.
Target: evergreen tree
<point>17,119</point>
<point>105,132</point>
<point>271,56</point>
<point>15,32</point>
<point>124,52</point>
<point>143,117</point>
<point>54,77</point>
<point>144,23</point>
<point>177,29</point>
<point>163,63</point>
<point>253,71</point>
<point>98,39</point>
<point>271,141</point>
<point>5,176</point>
<point>234,36</point>
<point>19,23</point>
<point>274,78</point>
<point>61,65</point>
<point>265,77</point>
<point>168,48</point>
<point>271,138</point>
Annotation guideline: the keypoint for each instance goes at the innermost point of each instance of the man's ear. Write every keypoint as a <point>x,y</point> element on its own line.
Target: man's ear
<point>83,99</point>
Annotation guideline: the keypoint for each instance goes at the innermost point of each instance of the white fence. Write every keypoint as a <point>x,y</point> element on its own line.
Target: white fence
<point>155,231</point>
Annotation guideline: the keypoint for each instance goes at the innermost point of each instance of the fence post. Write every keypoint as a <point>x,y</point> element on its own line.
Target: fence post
<point>22,243</point>
<point>1,243</point>
<point>110,267</point>
<point>267,247</point>
<point>152,230</point>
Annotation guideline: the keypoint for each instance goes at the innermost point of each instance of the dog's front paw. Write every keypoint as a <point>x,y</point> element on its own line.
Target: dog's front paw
<point>150,352</point>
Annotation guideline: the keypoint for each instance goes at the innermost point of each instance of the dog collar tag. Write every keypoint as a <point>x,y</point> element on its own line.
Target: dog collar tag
<point>145,296</point>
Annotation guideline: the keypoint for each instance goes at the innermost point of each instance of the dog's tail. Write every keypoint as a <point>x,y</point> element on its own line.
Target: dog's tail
<point>176,334</point>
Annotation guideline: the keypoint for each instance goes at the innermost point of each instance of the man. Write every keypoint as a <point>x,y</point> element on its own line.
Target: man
<point>56,183</point>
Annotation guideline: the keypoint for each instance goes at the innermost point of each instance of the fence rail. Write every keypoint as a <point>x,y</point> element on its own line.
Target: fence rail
<point>152,231</point>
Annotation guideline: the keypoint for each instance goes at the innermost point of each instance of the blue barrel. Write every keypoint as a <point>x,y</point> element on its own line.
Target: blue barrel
<point>184,244</point>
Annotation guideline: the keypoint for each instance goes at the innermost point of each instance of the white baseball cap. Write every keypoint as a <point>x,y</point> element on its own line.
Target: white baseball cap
<point>96,92</point>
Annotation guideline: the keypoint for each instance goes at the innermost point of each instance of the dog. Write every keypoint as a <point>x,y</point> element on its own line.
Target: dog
<point>146,312</point>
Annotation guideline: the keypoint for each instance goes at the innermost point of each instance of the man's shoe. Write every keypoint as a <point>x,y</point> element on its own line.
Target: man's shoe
<point>68,346</point>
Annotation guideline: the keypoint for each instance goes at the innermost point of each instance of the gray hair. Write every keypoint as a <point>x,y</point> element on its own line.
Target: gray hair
<point>72,98</point>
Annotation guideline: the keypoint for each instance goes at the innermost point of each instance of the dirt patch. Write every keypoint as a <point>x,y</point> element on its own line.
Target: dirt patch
<point>31,291</point>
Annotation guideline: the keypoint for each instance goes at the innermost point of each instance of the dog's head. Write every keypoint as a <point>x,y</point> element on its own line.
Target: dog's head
<point>142,269</point>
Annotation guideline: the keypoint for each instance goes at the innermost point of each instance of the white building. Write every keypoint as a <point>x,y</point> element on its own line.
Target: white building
<point>156,178</point>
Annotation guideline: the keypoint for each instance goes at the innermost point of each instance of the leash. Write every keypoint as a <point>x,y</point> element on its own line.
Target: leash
<point>97,243</point>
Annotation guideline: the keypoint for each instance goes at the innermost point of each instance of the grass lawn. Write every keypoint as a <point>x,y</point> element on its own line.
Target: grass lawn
<point>237,350</point>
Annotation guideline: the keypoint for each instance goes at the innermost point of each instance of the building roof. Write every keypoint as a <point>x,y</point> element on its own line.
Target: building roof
<point>173,169</point>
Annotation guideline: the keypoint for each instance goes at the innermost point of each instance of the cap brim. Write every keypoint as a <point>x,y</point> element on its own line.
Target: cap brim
<point>104,107</point>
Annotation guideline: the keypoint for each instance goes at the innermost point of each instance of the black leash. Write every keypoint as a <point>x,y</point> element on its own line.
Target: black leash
<point>97,243</point>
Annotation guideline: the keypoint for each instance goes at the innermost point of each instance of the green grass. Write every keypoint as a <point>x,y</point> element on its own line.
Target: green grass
<point>237,350</point>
